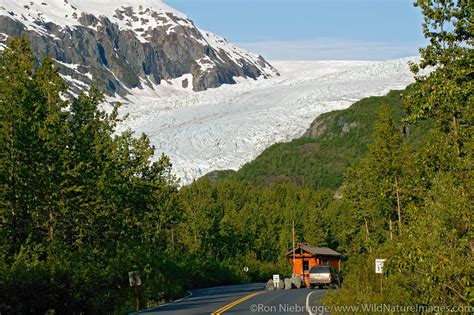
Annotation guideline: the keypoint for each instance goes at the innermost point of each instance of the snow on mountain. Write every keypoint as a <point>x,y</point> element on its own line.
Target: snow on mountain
<point>66,13</point>
<point>127,45</point>
<point>226,127</point>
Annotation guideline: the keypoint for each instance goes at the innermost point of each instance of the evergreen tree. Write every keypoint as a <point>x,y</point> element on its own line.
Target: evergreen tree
<point>430,263</point>
<point>80,204</point>
<point>379,186</point>
<point>32,127</point>
<point>446,94</point>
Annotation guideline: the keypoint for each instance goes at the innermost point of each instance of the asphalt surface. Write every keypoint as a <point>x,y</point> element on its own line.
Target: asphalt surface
<point>244,299</point>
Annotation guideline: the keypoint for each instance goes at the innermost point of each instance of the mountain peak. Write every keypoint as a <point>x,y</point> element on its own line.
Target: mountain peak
<point>63,11</point>
<point>128,45</point>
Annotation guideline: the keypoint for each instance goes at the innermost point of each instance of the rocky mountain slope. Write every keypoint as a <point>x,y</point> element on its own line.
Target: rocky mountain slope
<point>128,45</point>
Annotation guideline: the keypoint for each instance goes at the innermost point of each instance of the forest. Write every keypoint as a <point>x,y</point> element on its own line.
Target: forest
<point>81,205</point>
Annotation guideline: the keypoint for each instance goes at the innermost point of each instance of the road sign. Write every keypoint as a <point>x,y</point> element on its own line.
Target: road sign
<point>246,269</point>
<point>134,278</point>
<point>379,265</point>
<point>276,280</point>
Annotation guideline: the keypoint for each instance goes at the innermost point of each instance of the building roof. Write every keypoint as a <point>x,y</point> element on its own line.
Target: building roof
<point>315,250</point>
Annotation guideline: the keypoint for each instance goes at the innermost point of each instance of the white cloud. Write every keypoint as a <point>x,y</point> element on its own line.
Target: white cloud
<point>331,49</point>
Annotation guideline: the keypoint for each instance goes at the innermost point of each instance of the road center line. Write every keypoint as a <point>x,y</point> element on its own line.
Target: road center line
<point>234,303</point>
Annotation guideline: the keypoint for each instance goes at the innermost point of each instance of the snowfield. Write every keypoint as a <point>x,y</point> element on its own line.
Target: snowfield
<point>226,127</point>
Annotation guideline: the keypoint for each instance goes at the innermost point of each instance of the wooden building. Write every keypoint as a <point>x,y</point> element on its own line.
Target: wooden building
<point>306,256</point>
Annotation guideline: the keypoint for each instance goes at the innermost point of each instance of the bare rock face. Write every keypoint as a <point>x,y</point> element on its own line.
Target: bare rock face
<point>127,45</point>
<point>317,128</point>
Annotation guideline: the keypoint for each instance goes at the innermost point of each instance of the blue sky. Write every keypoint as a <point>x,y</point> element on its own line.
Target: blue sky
<point>312,29</point>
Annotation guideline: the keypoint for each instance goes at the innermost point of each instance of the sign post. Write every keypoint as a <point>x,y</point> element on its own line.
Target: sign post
<point>276,280</point>
<point>135,282</point>
<point>294,249</point>
<point>379,269</point>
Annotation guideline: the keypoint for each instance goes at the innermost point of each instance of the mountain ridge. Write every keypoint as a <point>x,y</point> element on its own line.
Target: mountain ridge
<point>141,44</point>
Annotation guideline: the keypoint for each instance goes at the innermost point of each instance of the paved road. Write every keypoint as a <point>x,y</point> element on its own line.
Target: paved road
<point>243,299</point>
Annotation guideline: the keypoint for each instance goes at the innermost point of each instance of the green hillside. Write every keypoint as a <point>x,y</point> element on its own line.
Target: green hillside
<point>334,141</point>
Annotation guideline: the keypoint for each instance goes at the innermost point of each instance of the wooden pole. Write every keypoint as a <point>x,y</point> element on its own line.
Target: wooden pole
<point>375,281</point>
<point>381,285</point>
<point>294,249</point>
<point>399,208</point>
<point>137,297</point>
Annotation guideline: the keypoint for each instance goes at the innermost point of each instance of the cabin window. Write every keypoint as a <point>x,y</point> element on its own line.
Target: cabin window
<point>325,262</point>
<point>305,265</point>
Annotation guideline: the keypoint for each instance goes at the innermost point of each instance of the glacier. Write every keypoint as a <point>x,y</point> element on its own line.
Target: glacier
<point>226,127</point>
